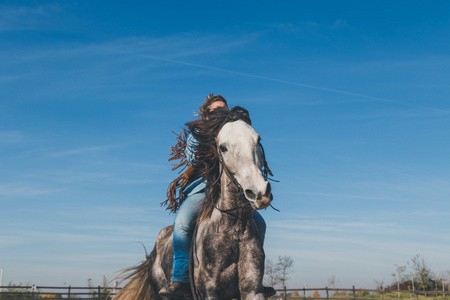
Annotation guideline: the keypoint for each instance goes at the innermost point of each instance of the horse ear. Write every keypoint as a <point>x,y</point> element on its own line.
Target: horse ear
<point>240,113</point>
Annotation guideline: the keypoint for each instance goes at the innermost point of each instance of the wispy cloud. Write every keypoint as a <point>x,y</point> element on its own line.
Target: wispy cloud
<point>108,66</point>
<point>83,150</point>
<point>8,240</point>
<point>322,238</point>
<point>24,191</point>
<point>363,197</point>
<point>11,137</point>
<point>175,46</point>
<point>104,176</point>
<point>9,78</point>
<point>26,18</point>
<point>299,84</point>
<point>133,47</point>
<point>310,228</point>
<point>140,52</point>
<point>307,27</point>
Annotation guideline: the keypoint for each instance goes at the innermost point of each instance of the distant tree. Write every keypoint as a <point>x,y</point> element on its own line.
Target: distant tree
<point>422,272</point>
<point>105,290</point>
<point>285,264</point>
<point>398,273</point>
<point>315,294</point>
<point>378,284</point>
<point>332,281</point>
<point>271,273</point>
<point>417,275</point>
<point>97,293</point>
<point>14,291</point>
<point>91,289</point>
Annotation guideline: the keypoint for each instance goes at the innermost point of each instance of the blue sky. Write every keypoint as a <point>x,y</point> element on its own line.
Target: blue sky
<point>351,99</point>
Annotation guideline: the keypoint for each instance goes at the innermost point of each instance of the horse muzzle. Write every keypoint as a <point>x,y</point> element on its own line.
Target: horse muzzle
<point>262,203</point>
<point>259,200</point>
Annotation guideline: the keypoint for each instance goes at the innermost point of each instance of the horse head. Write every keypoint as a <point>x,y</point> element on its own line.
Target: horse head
<point>243,161</point>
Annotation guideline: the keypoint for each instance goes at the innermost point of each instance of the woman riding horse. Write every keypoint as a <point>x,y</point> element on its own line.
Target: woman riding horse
<point>191,188</point>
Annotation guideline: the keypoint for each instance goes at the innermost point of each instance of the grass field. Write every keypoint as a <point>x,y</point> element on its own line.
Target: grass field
<point>361,296</point>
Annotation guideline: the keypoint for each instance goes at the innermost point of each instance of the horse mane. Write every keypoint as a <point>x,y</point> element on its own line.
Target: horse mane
<point>205,130</point>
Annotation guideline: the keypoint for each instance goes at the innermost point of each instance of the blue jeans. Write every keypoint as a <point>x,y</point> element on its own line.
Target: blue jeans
<point>183,229</point>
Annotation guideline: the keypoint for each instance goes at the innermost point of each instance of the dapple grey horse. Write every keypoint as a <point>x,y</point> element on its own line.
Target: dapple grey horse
<point>227,257</point>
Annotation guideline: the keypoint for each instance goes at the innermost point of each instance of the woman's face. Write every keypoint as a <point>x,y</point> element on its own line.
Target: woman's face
<point>217,104</point>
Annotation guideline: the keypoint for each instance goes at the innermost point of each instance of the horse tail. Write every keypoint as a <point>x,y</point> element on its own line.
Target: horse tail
<point>138,286</point>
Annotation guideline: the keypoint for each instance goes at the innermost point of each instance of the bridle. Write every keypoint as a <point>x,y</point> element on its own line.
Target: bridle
<point>223,167</point>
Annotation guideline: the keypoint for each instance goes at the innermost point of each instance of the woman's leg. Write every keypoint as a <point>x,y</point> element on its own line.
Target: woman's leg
<point>182,235</point>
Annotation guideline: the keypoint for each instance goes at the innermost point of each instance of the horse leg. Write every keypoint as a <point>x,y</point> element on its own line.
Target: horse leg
<point>250,289</point>
<point>251,269</point>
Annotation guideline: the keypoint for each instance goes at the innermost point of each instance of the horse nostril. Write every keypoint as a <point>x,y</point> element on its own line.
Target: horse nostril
<point>250,194</point>
<point>268,189</point>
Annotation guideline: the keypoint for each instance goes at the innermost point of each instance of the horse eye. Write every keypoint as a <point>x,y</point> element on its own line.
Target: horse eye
<point>223,148</point>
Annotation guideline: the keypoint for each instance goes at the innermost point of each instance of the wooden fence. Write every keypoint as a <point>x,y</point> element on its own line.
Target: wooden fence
<point>55,292</point>
<point>352,293</point>
<point>69,292</point>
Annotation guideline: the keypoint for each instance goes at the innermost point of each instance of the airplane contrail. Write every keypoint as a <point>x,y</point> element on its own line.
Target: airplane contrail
<point>296,84</point>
